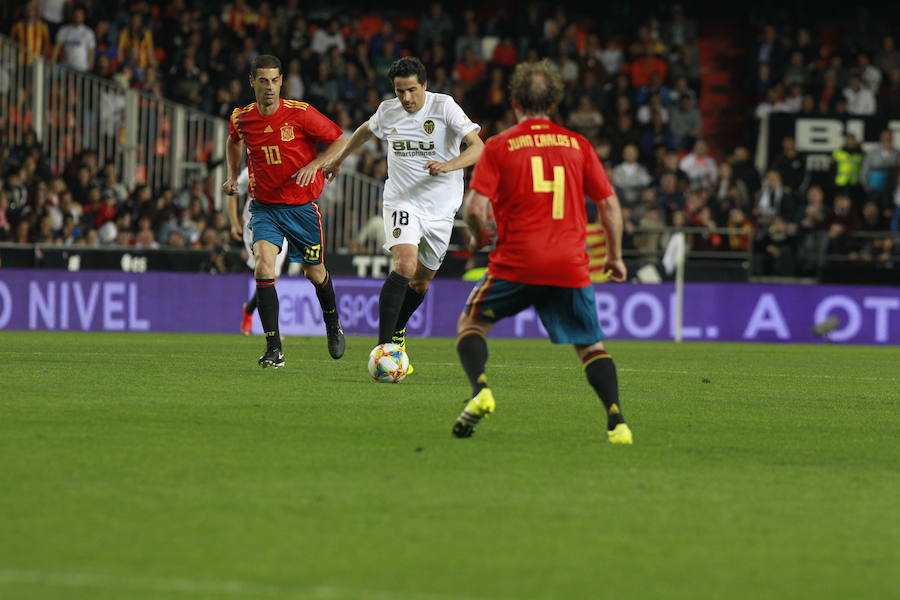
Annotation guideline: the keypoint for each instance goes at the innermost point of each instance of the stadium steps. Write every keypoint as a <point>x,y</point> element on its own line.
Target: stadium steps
<point>724,101</point>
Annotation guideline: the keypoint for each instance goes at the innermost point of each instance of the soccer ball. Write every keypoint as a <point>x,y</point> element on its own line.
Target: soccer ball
<point>388,363</point>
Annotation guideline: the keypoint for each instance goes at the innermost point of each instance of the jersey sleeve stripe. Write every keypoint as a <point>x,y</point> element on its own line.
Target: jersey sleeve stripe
<point>235,117</point>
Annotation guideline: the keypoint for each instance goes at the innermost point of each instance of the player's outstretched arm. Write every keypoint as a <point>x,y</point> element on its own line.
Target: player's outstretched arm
<point>467,158</point>
<point>611,219</point>
<point>333,166</point>
<point>233,153</point>
<point>307,174</point>
<point>475,213</point>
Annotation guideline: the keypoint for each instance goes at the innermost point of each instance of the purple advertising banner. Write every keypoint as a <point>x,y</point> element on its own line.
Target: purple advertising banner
<point>184,302</point>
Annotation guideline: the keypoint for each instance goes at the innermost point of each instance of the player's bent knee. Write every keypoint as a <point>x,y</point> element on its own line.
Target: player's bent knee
<point>315,273</point>
<point>420,286</point>
<point>467,323</point>
<point>582,350</point>
<point>405,268</point>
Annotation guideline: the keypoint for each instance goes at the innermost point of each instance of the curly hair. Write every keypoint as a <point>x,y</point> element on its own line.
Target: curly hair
<point>535,87</point>
<point>407,67</point>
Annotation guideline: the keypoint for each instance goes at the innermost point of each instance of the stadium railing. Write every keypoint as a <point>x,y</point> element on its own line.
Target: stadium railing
<point>150,140</point>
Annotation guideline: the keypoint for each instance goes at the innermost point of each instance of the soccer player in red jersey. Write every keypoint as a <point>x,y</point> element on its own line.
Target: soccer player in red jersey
<point>535,176</point>
<point>281,137</point>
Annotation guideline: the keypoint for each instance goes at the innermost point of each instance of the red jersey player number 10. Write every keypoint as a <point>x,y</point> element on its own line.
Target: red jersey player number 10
<point>272,154</point>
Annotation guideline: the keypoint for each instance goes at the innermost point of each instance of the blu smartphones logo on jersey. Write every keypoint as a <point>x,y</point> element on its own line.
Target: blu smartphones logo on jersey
<point>407,146</point>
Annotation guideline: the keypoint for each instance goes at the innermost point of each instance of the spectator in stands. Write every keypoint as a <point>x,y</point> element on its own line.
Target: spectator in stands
<point>657,135</point>
<point>506,55</point>
<point>238,17</point>
<point>649,240</point>
<point>769,104</point>
<point>32,33</point>
<point>469,69</point>
<point>76,43</point>
<point>809,231</point>
<point>769,49</point>
<point>841,221</point>
<point>737,219</point>
<point>328,37</point>
<point>175,239</point>
<point>744,168</point>
<point>685,123</point>
<point>136,43</point>
<point>847,165</point>
<point>654,106</point>
<point>701,169</point>
<point>829,93</point>
<point>586,119</point>
<point>670,195</point>
<point>730,191</point>
<point>773,199</point>
<point>889,96</point>
<point>622,135</point>
<point>842,213</point>
<point>888,57</point>
<point>144,239</point>
<point>860,100</point>
<point>879,169</point>
<point>185,84</point>
<point>643,68</point>
<point>630,177</point>
<point>777,248</point>
<point>868,74</point>
<point>611,57</point>
<point>796,73</point>
<point>435,25</point>
<point>790,165</point>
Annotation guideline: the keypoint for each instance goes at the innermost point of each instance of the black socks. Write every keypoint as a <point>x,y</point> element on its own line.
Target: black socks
<point>325,294</point>
<point>600,371</point>
<point>411,302</point>
<point>473,354</point>
<point>390,302</point>
<point>267,304</point>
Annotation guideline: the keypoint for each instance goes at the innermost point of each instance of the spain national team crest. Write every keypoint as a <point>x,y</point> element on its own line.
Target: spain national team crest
<point>428,126</point>
<point>287,133</point>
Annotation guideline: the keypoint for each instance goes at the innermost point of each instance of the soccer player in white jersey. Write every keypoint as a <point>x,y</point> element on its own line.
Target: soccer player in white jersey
<point>424,189</point>
<point>240,229</point>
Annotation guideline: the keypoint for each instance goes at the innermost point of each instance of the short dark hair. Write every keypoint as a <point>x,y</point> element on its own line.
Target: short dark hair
<point>535,87</point>
<point>265,61</point>
<point>407,67</point>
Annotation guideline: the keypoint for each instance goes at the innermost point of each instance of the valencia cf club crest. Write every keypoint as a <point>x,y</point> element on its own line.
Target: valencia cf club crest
<point>396,232</point>
<point>428,126</point>
<point>287,133</point>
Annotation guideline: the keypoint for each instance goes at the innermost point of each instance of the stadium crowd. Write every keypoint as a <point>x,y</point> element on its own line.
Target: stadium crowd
<point>632,88</point>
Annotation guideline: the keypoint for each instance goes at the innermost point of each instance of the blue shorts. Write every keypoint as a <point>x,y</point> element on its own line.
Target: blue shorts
<point>569,314</point>
<point>300,224</point>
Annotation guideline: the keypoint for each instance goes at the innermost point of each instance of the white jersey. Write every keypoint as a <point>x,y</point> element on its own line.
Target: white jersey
<point>434,132</point>
<point>243,186</point>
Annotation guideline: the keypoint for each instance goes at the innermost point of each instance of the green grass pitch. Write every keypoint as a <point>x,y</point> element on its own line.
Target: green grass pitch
<point>138,466</point>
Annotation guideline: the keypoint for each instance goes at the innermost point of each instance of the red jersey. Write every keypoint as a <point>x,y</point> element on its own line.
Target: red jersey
<point>280,145</point>
<point>537,175</point>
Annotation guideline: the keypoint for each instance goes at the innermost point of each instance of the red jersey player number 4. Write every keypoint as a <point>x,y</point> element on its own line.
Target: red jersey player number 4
<point>279,145</point>
<point>538,204</point>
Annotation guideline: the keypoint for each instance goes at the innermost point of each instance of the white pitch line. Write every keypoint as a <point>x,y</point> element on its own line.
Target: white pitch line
<point>196,586</point>
<point>491,365</point>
